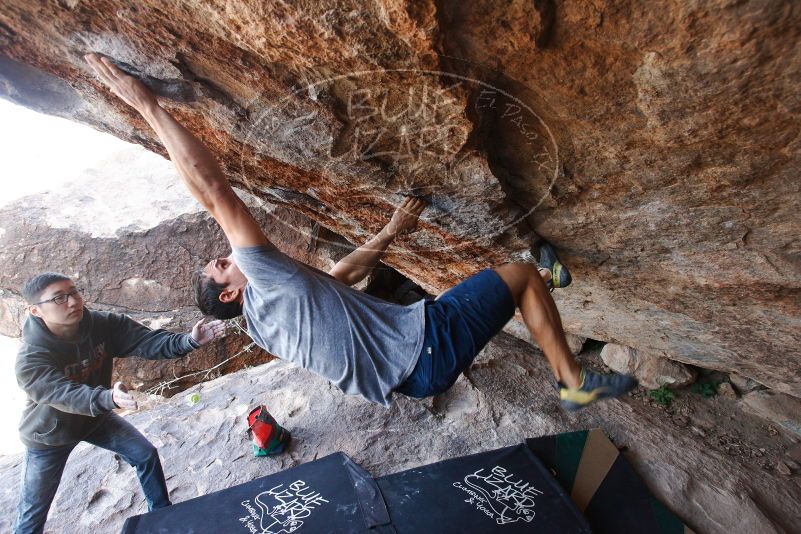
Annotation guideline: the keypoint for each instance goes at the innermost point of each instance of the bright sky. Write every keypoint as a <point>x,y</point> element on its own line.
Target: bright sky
<point>38,152</point>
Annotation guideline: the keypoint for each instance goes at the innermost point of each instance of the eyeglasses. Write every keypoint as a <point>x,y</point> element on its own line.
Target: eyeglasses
<point>62,298</point>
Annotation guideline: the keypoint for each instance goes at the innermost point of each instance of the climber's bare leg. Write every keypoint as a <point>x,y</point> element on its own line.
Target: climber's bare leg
<point>545,274</point>
<point>542,318</point>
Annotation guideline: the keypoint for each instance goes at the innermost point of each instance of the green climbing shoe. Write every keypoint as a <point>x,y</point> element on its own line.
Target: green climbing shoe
<point>560,276</point>
<point>594,387</point>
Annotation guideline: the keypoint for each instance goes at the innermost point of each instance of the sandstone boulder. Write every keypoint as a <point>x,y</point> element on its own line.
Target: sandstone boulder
<point>726,390</point>
<point>655,144</point>
<point>744,385</point>
<point>13,310</point>
<point>780,409</point>
<point>651,371</point>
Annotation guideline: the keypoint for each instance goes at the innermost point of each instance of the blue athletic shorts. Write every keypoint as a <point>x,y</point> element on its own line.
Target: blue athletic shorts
<point>458,325</point>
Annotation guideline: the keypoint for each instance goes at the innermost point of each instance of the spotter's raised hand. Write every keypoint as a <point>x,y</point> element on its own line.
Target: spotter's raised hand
<point>206,331</point>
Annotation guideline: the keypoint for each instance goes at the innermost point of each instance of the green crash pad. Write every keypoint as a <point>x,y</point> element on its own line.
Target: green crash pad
<point>603,485</point>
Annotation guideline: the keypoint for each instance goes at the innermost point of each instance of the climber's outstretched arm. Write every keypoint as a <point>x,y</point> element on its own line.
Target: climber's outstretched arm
<point>195,163</point>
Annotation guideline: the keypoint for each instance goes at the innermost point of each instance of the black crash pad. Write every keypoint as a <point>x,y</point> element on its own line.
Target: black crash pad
<point>506,490</point>
<point>332,494</point>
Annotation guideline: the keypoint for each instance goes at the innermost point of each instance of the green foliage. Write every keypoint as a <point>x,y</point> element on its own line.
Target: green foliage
<point>663,396</point>
<point>706,389</point>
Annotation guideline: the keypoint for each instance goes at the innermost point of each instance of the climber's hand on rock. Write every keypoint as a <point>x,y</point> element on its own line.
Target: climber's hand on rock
<point>128,88</point>
<point>122,398</point>
<point>206,331</point>
<point>404,219</point>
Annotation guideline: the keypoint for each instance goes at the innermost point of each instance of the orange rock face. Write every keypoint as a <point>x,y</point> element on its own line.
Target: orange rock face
<point>656,145</point>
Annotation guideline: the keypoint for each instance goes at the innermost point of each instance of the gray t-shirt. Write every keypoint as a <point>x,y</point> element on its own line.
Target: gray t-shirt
<point>362,344</point>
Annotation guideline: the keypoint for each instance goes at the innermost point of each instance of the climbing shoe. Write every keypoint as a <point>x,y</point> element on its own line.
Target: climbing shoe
<point>560,276</point>
<point>594,387</point>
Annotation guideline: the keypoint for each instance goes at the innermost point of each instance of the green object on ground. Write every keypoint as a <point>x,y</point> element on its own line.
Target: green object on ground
<point>566,463</point>
<point>192,399</point>
<point>258,451</point>
<point>277,445</point>
<point>603,485</point>
<point>663,396</point>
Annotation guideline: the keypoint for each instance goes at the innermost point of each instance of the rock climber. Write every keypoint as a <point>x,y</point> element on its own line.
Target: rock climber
<point>64,366</point>
<point>362,344</point>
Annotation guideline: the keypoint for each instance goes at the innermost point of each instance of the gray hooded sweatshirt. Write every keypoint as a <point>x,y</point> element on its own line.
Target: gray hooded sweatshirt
<point>68,383</point>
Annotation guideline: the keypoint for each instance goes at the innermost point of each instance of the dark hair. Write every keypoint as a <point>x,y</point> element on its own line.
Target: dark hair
<point>34,287</point>
<point>207,297</point>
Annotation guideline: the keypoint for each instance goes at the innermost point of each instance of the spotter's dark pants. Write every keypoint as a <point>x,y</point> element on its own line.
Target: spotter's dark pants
<point>42,469</point>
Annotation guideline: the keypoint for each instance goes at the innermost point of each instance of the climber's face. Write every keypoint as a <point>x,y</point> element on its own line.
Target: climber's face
<point>225,271</point>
